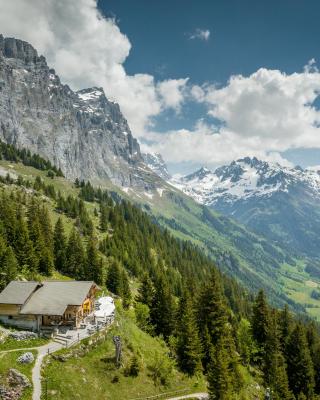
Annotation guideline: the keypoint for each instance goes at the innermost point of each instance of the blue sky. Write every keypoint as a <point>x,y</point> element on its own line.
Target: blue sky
<point>244,36</point>
<point>202,82</point>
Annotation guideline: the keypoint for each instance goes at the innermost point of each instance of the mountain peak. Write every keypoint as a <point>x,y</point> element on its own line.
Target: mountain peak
<point>198,174</point>
<point>93,93</point>
<point>19,49</point>
<point>157,164</point>
<point>244,179</point>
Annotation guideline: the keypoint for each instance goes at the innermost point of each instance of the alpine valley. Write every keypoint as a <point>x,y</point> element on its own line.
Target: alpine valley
<point>224,213</point>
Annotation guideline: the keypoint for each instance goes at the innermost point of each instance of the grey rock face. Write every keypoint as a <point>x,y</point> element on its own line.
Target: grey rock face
<point>156,163</point>
<point>82,132</point>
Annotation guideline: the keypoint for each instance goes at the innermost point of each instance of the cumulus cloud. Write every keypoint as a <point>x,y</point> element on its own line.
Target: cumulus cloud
<point>263,114</point>
<point>173,93</point>
<point>201,34</point>
<point>86,50</point>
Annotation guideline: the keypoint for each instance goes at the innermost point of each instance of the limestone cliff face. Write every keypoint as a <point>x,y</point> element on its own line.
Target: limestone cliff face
<point>81,132</point>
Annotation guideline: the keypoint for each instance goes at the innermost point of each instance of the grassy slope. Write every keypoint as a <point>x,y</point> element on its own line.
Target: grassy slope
<point>9,360</point>
<point>95,372</point>
<point>254,261</point>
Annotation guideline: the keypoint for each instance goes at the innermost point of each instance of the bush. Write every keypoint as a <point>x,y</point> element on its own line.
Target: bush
<point>133,368</point>
<point>142,314</point>
<point>115,379</point>
<point>161,369</point>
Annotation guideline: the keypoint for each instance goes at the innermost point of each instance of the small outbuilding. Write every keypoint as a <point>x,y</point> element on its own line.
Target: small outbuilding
<point>33,305</point>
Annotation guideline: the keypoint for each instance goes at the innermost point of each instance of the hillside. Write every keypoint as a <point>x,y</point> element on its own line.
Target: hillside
<point>211,329</point>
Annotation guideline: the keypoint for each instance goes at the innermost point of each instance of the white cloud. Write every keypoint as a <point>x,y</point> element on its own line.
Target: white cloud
<point>263,114</point>
<point>173,93</point>
<point>86,50</point>
<point>311,66</point>
<point>201,34</point>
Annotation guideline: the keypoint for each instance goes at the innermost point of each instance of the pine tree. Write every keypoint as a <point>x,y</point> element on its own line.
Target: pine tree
<point>211,308</point>
<point>313,341</point>
<point>9,264</point>
<point>162,309</point>
<point>212,315</point>
<point>41,236</point>
<point>220,385</point>
<point>299,363</point>
<point>114,278</point>
<point>145,291</point>
<point>59,245</point>
<point>103,217</point>
<point>246,345</point>
<point>125,292</point>
<point>260,322</point>
<point>23,246</point>
<point>285,325</point>
<point>75,256</point>
<point>188,342</point>
<point>274,366</point>
<point>93,266</point>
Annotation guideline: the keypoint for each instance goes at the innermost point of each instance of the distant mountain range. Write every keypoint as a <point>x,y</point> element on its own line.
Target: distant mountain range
<point>282,203</point>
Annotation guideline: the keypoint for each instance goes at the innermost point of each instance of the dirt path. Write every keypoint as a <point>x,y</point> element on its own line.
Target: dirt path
<point>200,396</point>
<point>44,350</point>
<point>36,372</point>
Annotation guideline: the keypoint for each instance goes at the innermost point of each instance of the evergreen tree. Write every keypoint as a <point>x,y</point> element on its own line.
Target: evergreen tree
<point>246,345</point>
<point>211,308</point>
<point>126,292</point>
<point>220,385</point>
<point>114,278</point>
<point>59,245</point>
<point>188,342</point>
<point>299,364</point>
<point>75,256</point>
<point>212,315</point>
<point>260,322</point>
<point>162,309</point>
<point>8,264</point>
<point>285,325</point>
<point>145,291</point>
<point>274,367</point>
<point>93,266</point>
<point>313,340</point>
<point>103,217</point>
<point>23,246</point>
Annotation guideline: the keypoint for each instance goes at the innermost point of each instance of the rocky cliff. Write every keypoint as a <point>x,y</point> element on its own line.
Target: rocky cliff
<point>81,132</point>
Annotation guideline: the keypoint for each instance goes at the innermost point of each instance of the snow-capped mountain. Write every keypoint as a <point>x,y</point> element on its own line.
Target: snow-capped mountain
<point>244,179</point>
<point>156,163</point>
<point>279,202</point>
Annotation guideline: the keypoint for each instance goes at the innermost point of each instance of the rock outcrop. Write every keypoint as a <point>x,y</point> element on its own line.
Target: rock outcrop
<point>81,132</point>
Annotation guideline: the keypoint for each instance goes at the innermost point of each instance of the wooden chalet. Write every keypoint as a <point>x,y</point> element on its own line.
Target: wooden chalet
<point>32,305</point>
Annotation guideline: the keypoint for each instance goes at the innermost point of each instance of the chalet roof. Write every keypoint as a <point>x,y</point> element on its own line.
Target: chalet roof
<point>53,297</point>
<point>17,292</point>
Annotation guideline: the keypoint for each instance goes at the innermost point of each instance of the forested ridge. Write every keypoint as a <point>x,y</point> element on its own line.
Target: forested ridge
<point>211,324</point>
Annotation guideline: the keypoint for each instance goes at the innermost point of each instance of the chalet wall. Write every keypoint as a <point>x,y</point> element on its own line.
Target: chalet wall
<point>24,322</point>
<point>9,309</point>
